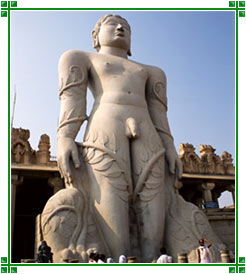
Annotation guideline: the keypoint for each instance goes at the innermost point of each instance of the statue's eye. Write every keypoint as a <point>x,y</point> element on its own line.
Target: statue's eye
<point>111,23</point>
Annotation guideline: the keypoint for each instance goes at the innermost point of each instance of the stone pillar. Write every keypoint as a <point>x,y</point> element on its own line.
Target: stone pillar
<point>16,180</point>
<point>231,188</point>
<point>56,183</point>
<point>207,194</point>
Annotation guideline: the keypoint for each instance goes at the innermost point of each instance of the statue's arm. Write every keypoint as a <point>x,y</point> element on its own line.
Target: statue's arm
<point>157,106</point>
<point>73,78</point>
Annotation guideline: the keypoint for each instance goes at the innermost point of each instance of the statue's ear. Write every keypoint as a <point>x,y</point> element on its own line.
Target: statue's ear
<point>95,40</point>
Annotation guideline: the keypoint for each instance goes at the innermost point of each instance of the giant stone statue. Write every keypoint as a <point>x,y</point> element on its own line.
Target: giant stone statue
<point>121,182</point>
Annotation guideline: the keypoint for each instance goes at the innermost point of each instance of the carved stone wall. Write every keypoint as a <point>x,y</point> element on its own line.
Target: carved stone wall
<point>190,160</point>
<point>223,223</point>
<point>22,152</point>
<point>207,163</point>
<point>227,163</point>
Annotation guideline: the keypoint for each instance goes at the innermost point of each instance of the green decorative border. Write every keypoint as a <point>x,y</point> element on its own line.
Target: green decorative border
<point>239,8</point>
<point>7,267</point>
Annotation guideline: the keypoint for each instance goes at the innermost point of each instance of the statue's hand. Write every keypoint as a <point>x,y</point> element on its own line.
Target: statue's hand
<point>175,165</point>
<point>67,149</point>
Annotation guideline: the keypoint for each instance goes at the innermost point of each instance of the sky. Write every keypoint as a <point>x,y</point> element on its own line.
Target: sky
<point>195,49</point>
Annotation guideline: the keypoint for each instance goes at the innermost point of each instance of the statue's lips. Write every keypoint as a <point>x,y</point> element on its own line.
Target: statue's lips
<point>121,34</point>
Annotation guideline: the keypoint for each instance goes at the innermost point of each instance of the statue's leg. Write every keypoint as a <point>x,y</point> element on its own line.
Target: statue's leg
<point>147,154</point>
<point>109,193</point>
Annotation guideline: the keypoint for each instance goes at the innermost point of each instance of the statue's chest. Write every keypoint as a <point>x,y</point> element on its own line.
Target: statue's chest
<point>116,68</point>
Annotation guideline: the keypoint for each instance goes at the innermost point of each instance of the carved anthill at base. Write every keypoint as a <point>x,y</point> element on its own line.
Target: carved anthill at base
<point>185,225</point>
<point>68,224</point>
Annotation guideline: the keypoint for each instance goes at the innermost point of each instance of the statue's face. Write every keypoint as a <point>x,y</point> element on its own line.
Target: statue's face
<point>115,32</point>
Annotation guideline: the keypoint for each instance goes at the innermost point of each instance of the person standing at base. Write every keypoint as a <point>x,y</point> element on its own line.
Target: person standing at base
<point>110,260</point>
<point>92,258</point>
<point>163,259</point>
<point>122,259</point>
<point>204,254</point>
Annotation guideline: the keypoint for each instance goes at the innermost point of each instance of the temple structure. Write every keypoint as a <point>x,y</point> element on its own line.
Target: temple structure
<point>35,178</point>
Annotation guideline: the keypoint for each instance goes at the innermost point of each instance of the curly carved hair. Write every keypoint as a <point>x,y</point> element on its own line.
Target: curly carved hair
<point>96,30</point>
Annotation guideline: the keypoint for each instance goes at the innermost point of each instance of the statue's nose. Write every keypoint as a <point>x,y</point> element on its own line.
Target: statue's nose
<point>120,28</point>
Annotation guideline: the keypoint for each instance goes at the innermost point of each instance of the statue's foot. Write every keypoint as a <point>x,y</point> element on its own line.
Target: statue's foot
<point>68,256</point>
<point>81,251</point>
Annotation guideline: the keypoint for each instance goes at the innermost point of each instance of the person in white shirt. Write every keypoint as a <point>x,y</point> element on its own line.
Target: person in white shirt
<point>163,259</point>
<point>122,259</point>
<point>204,254</point>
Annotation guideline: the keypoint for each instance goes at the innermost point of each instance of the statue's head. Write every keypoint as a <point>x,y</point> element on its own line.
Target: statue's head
<point>112,25</point>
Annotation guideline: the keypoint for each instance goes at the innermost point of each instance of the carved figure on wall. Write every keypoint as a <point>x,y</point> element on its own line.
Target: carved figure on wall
<point>18,152</point>
<point>21,151</point>
<point>121,181</point>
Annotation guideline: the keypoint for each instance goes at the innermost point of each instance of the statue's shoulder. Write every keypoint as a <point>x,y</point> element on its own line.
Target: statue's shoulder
<point>75,57</point>
<point>155,73</point>
<point>156,85</point>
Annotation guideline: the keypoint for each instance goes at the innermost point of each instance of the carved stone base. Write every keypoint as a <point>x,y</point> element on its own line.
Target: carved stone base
<point>186,224</point>
<point>70,229</point>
